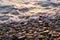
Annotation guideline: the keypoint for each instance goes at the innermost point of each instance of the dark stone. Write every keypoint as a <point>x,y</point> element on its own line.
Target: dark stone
<point>14,38</point>
<point>5,17</point>
<point>5,12</point>
<point>15,13</point>
<point>40,39</point>
<point>32,20</point>
<point>24,10</point>
<point>6,6</point>
<point>21,17</point>
<point>55,4</point>
<point>47,8</point>
<point>46,4</point>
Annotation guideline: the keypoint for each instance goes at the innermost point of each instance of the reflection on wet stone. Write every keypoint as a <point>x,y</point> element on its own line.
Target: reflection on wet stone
<point>4,12</point>
<point>24,10</point>
<point>5,17</point>
<point>25,17</point>
<point>45,4</point>
<point>14,12</point>
<point>9,6</point>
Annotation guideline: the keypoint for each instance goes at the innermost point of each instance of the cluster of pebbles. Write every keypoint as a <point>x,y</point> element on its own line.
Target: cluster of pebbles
<point>33,29</point>
<point>29,20</point>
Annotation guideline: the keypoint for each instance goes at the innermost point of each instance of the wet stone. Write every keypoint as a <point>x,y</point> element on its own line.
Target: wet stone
<point>46,31</point>
<point>29,35</point>
<point>25,17</point>
<point>24,10</point>
<point>32,20</point>
<point>5,17</point>
<point>32,29</point>
<point>14,12</point>
<point>41,36</point>
<point>5,12</point>
<point>55,34</point>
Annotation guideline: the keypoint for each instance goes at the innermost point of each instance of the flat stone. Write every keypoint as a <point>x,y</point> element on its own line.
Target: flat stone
<point>14,12</point>
<point>5,17</point>
<point>24,10</point>
<point>29,35</point>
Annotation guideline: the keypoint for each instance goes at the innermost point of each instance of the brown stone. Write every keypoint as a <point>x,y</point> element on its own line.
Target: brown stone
<point>55,34</point>
<point>41,36</point>
<point>29,35</point>
<point>46,31</point>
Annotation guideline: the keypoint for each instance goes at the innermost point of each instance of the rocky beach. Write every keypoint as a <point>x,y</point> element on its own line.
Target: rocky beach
<point>29,19</point>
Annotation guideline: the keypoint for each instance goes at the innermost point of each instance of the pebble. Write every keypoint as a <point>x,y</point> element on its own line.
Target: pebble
<point>29,30</point>
<point>24,10</point>
<point>29,35</point>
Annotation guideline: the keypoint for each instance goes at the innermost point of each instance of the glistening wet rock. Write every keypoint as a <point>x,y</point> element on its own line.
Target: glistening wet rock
<point>24,10</point>
<point>14,12</point>
<point>5,17</point>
